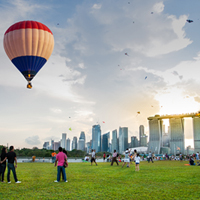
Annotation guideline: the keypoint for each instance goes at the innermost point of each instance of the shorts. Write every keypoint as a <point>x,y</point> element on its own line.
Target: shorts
<point>127,160</point>
<point>137,163</point>
<point>92,159</point>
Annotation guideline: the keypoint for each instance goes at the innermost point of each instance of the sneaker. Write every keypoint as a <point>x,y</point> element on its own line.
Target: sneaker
<point>66,181</point>
<point>9,182</point>
<point>56,181</point>
<point>18,182</point>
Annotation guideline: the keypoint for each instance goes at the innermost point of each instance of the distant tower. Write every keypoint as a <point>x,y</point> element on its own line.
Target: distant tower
<point>115,145</point>
<point>74,143</point>
<point>68,145</point>
<point>123,139</point>
<point>63,141</point>
<point>196,128</point>
<point>177,142</point>
<point>143,137</point>
<point>105,142</point>
<point>82,138</point>
<point>155,135</point>
<point>134,142</point>
<point>96,138</point>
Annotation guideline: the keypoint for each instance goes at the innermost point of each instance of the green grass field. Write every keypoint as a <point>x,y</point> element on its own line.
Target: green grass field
<point>158,180</point>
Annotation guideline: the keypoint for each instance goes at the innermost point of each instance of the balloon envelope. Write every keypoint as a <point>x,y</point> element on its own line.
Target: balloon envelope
<point>29,45</point>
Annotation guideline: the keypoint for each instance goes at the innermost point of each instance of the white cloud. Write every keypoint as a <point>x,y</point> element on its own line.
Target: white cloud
<point>96,6</point>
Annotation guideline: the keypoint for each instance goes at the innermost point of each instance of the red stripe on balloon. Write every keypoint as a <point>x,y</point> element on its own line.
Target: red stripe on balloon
<point>28,24</point>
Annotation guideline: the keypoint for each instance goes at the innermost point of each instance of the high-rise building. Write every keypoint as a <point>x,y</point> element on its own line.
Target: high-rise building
<point>89,146</point>
<point>74,143</point>
<point>143,137</point>
<point>46,145</point>
<point>105,142</point>
<point>56,146</point>
<point>63,141</point>
<point>134,142</point>
<point>123,139</point>
<point>115,144</point>
<point>177,142</point>
<point>96,138</point>
<point>68,145</point>
<point>52,145</point>
<point>155,135</point>
<point>196,132</point>
<point>82,137</point>
<point>81,144</point>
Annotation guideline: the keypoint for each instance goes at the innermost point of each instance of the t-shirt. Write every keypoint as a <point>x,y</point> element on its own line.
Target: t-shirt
<point>11,155</point>
<point>61,158</point>
<point>93,154</point>
<point>137,159</point>
<point>150,154</point>
<point>114,154</point>
<point>3,155</point>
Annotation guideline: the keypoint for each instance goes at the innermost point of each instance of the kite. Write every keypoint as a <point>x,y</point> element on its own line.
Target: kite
<point>178,148</point>
<point>28,44</point>
<point>126,54</point>
<point>151,12</point>
<point>189,20</point>
<point>146,77</point>
<point>103,122</point>
<point>138,112</point>
<point>70,129</point>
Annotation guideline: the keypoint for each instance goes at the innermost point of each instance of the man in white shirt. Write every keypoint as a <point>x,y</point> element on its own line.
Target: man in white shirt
<point>93,157</point>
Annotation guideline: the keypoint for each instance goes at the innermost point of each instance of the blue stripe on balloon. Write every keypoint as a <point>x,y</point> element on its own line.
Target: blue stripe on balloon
<point>29,63</point>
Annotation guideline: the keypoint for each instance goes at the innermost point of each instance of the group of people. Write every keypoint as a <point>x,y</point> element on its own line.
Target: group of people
<point>12,158</point>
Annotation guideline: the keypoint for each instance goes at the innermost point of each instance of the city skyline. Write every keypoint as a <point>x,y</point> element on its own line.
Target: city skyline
<point>111,65</point>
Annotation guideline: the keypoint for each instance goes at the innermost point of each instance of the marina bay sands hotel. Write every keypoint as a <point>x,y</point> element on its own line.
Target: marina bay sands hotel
<point>159,142</point>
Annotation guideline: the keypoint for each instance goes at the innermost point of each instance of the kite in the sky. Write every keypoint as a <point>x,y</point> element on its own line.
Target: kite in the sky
<point>151,12</point>
<point>103,122</point>
<point>138,112</point>
<point>70,129</point>
<point>126,54</point>
<point>57,23</point>
<point>189,20</point>
<point>146,77</point>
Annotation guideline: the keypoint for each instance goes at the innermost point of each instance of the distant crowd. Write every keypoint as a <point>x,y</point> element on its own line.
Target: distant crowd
<point>9,159</point>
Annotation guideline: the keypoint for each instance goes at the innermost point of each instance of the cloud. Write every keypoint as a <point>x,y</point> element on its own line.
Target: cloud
<point>96,6</point>
<point>33,140</point>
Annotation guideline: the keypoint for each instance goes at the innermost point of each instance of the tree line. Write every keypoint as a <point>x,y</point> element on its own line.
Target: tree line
<point>25,152</point>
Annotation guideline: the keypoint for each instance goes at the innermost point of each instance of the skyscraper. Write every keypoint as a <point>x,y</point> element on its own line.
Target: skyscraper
<point>105,142</point>
<point>68,145</point>
<point>74,143</point>
<point>143,137</point>
<point>134,142</point>
<point>123,139</point>
<point>96,138</point>
<point>196,130</point>
<point>81,144</point>
<point>177,142</point>
<point>82,138</point>
<point>63,141</point>
<point>115,144</point>
<point>155,135</point>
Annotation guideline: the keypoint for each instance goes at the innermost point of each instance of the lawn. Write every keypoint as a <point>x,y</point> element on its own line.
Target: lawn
<point>158,180</point>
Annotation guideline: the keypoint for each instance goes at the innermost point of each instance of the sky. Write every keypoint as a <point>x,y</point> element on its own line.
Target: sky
<point>111,59</point>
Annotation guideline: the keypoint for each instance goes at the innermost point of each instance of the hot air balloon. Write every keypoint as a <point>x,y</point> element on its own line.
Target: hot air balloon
<point>28,44</point>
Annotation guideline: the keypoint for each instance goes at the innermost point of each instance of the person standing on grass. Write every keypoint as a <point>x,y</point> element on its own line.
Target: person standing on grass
<point>181,157</point>
<point>126,159</point>
<point>104,156</point>
<point>150,157</point>
<point>137,162</point>
<point>114,158</point>
<point>93,157</point>
<point>3,164</point>
<point>197,156</point>
<point>11,156</point>
<point>61,158</point>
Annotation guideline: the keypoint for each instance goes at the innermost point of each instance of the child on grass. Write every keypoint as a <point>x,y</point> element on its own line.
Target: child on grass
<point>137,162</point>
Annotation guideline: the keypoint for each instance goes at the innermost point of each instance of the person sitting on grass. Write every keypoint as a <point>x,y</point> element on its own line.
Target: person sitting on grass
<point>192,161</point>
<point>61,158</point>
